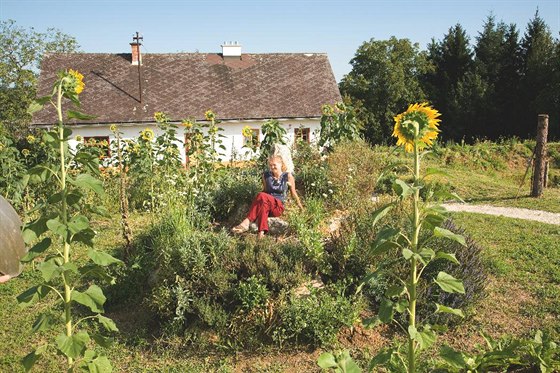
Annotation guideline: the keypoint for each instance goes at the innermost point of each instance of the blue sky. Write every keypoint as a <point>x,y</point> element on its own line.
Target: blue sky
<point>335,27</point>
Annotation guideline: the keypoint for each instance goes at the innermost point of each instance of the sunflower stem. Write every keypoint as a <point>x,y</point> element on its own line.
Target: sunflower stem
<point>413,262</point>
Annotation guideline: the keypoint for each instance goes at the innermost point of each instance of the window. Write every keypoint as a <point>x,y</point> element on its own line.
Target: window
<point>302,134</point>
<point>99,142</point>
<point>255,134</point>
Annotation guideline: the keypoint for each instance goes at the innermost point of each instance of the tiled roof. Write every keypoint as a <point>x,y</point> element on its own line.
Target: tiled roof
<point>187,84</point>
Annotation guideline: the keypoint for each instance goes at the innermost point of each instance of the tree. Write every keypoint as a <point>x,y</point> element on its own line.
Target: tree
<point>496,62</point>
<point>452,60</point>
<point>537,70</point>
<point>384,79</point>
<point>21,52</point>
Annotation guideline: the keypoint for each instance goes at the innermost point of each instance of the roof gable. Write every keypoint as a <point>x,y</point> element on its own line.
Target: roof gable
<point>187,84</point>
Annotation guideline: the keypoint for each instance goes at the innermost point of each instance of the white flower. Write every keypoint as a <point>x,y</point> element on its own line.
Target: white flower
<point>330,191</point>
<point>312,184</point>
<point>324,195</point>
<point>329,182</point>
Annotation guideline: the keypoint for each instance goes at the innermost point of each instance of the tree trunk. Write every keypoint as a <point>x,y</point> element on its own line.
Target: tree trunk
<point>540,156</point>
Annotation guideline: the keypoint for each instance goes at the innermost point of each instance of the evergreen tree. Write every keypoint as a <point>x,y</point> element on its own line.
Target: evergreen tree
<point>537,85</point>
<point>384,79</point>
<point>452,59</point>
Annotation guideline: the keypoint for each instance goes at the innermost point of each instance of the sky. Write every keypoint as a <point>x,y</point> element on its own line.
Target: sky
<point>337,28</point>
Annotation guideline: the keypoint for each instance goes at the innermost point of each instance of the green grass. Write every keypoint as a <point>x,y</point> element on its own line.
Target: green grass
<point>523,258</point>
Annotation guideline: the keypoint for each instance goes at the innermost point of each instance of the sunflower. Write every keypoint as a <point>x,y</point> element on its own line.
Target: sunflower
<point>79,138</point>
<point>30,139</point>
<point>160,117</point>
<point>25,152</point>
<point>113,128</point>
<point>187,123</point>
<point>247,132</point>
<point>78,80</point>
<point>209,115</point>
<point>147,134</point>
<point>418,124</point>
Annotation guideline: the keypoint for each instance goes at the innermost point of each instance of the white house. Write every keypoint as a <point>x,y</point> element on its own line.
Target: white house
<point>242,89</point>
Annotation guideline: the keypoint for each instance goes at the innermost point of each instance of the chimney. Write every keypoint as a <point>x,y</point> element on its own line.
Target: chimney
<point>135,45</point>
<point>231,50</point>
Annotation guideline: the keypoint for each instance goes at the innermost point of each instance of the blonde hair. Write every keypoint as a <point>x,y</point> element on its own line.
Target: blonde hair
<point>283,151</point>
<point>278,157</point>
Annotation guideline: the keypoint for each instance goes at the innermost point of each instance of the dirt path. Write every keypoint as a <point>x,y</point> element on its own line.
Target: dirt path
<point>510,212</point>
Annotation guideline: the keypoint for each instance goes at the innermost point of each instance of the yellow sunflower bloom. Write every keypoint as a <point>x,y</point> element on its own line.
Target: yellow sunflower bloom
<point>147,134</point>
<point>79,138</point>
<point>25,152</point>
<point>30,139</point>
<point>78,81</point>
<point>160,117</point>
<point>247,132</point>
<point>187,123</point>
<point>418,124</point>
<point>209,115</point>
<point>113,128</point>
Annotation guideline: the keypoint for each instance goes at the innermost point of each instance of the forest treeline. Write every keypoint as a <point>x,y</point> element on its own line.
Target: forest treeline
<point>490,88</point>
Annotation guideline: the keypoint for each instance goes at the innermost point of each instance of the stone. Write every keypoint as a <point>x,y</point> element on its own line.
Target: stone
<point>276,226</point>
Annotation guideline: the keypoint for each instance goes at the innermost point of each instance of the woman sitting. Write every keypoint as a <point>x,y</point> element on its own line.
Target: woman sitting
<point>270,202</point>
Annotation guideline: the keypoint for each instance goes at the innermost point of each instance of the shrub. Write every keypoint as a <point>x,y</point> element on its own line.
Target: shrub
<point>353,168</point>
<point>252,293</point>
<point>317,318</point>
<point>236,189</point>
<point>471,271</point>
<point>311,172</point>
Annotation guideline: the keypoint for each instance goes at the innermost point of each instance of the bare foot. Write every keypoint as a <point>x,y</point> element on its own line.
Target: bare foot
<point>260,235</point>
<point>5,278</point>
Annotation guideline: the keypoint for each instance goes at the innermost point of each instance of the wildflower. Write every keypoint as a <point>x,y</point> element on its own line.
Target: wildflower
<point>327,110</point>
<point>417,125</point>
<point>324,195</point>
<point>247,132</point>
<point>187,123</point>
<point>25,152</point>
<point>147,134</point>
<point>331,191</point>
<point>160,117</point>
<point>30,139</point>
<point>213,130</point>
<point>79,138</point>
<point>209,115</point>
<point>77,81</point>
<point>113,128</point>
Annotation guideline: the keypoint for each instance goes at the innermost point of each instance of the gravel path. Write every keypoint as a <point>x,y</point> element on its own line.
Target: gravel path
<point>510,212</point>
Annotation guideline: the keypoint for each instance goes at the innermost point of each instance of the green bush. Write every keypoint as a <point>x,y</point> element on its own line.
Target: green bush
<point>353,169</point>
<point>236,188</point>
<point>471,271</point>
<point>311,172</point>
<point>252,293</point>
<point>316,318</point>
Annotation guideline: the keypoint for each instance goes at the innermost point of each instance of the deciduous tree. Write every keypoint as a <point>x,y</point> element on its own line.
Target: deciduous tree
<point>383,81</point>
<point>21,52</point>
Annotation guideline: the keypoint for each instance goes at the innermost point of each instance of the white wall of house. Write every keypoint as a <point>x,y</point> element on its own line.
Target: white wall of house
<point>233,140</point>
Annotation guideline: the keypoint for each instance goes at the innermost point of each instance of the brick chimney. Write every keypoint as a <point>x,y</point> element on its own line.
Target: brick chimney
<point>136,55</point>
<point>135,45</point>
<point>231,50</point>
